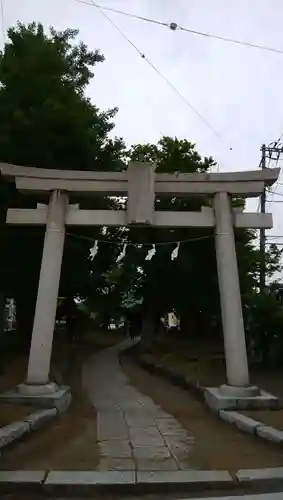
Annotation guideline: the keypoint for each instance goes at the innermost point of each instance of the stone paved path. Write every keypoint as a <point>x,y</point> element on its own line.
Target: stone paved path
<point>133,432</point>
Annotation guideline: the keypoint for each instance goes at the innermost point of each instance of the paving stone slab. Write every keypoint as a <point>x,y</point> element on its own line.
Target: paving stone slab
<point>15,479</point>
<point>118,464</point>
<point>145,440</point>
<point>140,418</point>
<point>177,444</point>
<point>169,427</point>
<point>115,449</point>
<point>13,431</point>
<point>270,433</point>
<point>243,423</point>
<point>165,464</point>
<point>181,479</point>
<point>269,474</point>
<point>87,481</point>
<point>145,436</point>
<point>108,431</point>
<point>40,417</point>
<point>151,452</point>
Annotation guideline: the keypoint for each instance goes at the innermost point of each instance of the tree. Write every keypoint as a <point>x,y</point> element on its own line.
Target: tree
<point>47,121</point>
<point>188,285</point>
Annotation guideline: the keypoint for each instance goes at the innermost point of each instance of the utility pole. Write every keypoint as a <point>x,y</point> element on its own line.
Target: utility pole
<point>262,230</point>
<point>273,151</point>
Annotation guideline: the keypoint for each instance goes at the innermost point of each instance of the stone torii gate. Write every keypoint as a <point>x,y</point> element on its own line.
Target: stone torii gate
<point>141,184</point>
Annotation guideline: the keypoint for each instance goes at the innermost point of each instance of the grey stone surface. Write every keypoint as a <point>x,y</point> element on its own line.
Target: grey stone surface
<point>121,464</point>
<point>116,449</point>
<point>115,431</point>
<point>244,423</point>
<point>40,417</point>
<point>146,436</point>
<point>188,477</point>
<point>166,464</point>
<point>128,420</point>
<point>247,475</point>
<point>60,399</point>
<point>22,477</point>
<point>37,389</point>
<point>13,431</point>
<point>170,427</point>
<point>77,478</point>
<point>270,433</point>
<point>236,391</point>
<point>151,452</point>
<point>218,401</point>
<point>140,417</point>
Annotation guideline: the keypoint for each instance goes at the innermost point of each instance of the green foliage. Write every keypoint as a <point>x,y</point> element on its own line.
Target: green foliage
<point>45,118</point>
<point>264,326</point>
<point>172,155</point>
<point>47,121</point>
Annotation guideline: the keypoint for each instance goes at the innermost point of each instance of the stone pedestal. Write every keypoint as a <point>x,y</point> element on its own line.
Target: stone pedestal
<point>44,320</point>
<point>27,395</point>
<point>244,399</point>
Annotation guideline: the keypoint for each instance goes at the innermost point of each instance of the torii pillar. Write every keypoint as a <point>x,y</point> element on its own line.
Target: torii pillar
<point>42,335</point>
<point>230,299</point>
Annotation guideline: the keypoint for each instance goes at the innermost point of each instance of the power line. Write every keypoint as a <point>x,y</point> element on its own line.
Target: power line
<point>232,40</point>
<point>174,26</point>
<point>153,66</point>
<point>275,193</point>
<point>117,11</point>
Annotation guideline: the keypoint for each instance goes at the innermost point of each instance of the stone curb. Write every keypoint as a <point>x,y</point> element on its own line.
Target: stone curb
<point>251,426</point>
<point>16,430</point>
<point>85,483</point>
<point>72,483</point>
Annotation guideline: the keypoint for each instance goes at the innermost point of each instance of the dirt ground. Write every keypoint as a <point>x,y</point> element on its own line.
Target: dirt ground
<point>70,442</point>
<point>9,414</point>
<point>218,445</point>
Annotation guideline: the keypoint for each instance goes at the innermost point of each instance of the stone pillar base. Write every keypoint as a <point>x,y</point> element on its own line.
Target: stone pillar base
<point>239,398</point>
<point>37,390</point>
<point>42,396</point>
<point>241,392</point>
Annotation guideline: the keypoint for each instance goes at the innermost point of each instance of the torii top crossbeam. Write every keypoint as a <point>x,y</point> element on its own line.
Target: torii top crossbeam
<point>246,183</point>
<point>140,183</point>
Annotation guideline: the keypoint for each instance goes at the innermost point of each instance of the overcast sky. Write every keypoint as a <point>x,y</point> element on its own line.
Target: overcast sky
<point>237,89</point>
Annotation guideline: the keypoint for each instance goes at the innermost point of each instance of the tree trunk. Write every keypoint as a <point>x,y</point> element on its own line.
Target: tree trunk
<point>188,323</point>
<point>147,332</point>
